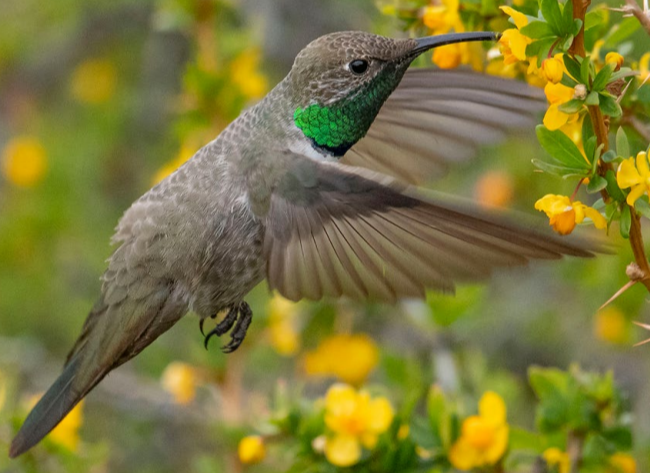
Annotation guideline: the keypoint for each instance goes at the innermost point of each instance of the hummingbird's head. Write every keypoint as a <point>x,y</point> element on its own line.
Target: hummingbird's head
<point>340,81</point>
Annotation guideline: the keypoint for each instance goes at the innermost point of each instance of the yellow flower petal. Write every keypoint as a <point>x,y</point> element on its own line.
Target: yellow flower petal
<point>627,174</point>
<point>492,408</point>
<point>463,456</point>
<point>557,458</point>
<point>519,18</point>
<point>642,164</point>
<point>599,221</point>
<point>381,415</point>
<point>636,192</point>
<point>498,446</point>
<point>565,222</point>
<point>554,118</point>
<point>24,161</point>
<point>181,381</point>
<point>342,450</point>
<point>623,462</point>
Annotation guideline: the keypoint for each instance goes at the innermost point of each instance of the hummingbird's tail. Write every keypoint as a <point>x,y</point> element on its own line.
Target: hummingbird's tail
<point>57,402</point>
<point>112,335</point>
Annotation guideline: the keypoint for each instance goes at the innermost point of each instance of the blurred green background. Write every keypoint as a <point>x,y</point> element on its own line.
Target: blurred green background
<point>101,99</point>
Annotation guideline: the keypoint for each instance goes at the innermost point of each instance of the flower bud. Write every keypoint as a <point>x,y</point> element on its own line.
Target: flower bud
<point>552,69</point>
<point>614,58</point>
<point>580,92</point>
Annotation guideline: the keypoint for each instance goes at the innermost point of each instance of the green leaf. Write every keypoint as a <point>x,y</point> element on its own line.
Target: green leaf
<point>521,439</point>
<point>597,17</point>
<point>560,146</point>
<point>572,66</point>
<point>609,106</point>
<point>596,184</point>
<point>626,222</point>
<point>621,437</point>
<point>547,382</point>
<point>587,130</point>
<point>622,143</point>
<point>572,106</point>
<point>568,81</point>
<point>577,26</point>
<point>621,31</point>
<point>585,70</point>
<point>622,73</point>
<point>537,30</point>
<point>613,190</point>
<point>602,78</point>
<point>558,169</point>
<point>642,206</point>
<point>592,98</point>
<point>566,44</point>
<point>609,156</point>
<point>590,147</point>
<point>567,15</point>
<point>553,15</point>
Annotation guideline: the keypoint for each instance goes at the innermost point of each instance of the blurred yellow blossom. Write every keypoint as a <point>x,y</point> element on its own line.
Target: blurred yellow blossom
<point>614,58</point>
<point>66,434</point>
<point>185,153</point>
<point>245,74</point>
<point>634,173</point>
<point>453,55</point>
<point>494,189</point>
<point>441,17</point>
<point>644,67</point>
<point>350,358</point>
<point>622,463</point>
<point>251,449</point>
<point>497,67</point>
<point>555,457</point>
<point>24,161</point>
<point>564,215</point>
<point>553,69</point>
<point>557,94</point>
<point>611,325</point>
<point>519,18</point>
<point>282,325</point>
<point>94,81</point>
<point>484,437</point>
<point>181,381</point>
<point>3,390</point>
<point>353,419</point>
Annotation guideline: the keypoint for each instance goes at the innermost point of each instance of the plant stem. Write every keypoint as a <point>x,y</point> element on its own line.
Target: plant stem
<point>575,443</point>
<point>601,131</point>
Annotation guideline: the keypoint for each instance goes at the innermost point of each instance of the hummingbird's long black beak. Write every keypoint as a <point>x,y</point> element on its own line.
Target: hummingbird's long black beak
<point>428,42</point>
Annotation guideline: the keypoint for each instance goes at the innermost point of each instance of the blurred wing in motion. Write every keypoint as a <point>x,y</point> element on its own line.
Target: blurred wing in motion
<point>339,231</point>
<point>436,117</point>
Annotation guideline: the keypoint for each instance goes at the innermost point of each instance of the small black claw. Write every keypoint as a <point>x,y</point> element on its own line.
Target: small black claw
<point>239,332</point>
<point>240,316</point>
<point>201,326</point>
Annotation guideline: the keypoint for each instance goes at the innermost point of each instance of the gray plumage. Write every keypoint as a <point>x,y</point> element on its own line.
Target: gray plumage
<point>264,199</point>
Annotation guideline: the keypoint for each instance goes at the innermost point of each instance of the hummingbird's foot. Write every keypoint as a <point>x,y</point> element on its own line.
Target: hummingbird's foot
<point>239,332</point>
<point>240,316</point>
<point>202,321</point>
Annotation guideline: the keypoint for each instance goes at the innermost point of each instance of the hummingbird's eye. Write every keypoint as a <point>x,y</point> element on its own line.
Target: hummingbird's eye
<point>359,66</point>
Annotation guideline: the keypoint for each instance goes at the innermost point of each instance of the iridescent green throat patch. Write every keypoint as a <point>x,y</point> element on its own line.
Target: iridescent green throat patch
<point>336,128</point>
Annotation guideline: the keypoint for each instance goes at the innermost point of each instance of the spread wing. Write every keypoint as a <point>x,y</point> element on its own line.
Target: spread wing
<point>337,231</point>
<point>436,117</point>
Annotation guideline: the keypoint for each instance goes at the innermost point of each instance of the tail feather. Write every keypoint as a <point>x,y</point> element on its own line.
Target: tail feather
<point>57,402</point>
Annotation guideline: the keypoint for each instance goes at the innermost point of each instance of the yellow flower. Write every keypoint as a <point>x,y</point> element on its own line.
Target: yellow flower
<point>484,437</point>
<point>557,458</point>
<point>94,81</point>
<point>245,74</point>
<point>451,56</point>
<point>610,325</point>
<point>24,161</point>
<point>644,67</point>
<point>557,94</point>
<point>185,153</point>
<point>513,45</point>
<point>282,326</point>
<point>494,189</point>
<point>553,70</point>
<point>614,58</point>
<point>441,18</point>
<point>635,175</point>
<point>350,358</point>
<point>3,391</point>
<point>564,214</point>
<point>181,381</point>
<point>354,419</point>
<point>622,463</point>
<point>251,449</point>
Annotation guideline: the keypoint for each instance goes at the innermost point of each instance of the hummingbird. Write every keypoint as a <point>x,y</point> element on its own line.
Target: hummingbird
<point>315,189</point>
